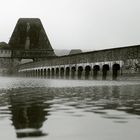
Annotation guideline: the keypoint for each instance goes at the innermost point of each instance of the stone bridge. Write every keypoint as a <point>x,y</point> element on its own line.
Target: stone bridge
<point>101,64</point>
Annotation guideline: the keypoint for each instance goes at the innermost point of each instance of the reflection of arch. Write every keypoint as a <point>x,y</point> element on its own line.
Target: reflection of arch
<point>105,69</point>
<point>57,72</point>
<point>48,73</point>
<point>87,71</point>
<point>52,72</point>
<point>73,71</point>
<point>67,72</point>
<point>80,70</point>
<point>115,68</point>
<point>96,68</point>
<point>62,72</point>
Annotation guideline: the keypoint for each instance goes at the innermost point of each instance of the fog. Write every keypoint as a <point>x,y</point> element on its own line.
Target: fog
<point>77,24</point>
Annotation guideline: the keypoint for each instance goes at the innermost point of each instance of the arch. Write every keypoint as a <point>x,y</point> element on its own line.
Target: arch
<point>48,72</point>
<point>62,72</point>
<point>36,73</point>
<point>105,69</point>
<point>80,71</point>
<point>45,72</point>
<point>96,69</point>
<point>87,71</point>
<point>67,72</point>
<point>115,68</point>
<point>52,72</point>
<point>73,71</point>
<point>57,72</point>
<point>41,72</point>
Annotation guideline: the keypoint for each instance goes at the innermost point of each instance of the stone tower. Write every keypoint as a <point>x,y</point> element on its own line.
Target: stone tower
<point>29,40</point>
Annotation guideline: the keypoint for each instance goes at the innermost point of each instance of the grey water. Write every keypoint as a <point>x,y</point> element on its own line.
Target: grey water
<point>52,109</point>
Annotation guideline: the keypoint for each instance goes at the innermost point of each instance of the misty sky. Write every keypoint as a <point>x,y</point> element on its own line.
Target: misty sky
<point>83,24</point>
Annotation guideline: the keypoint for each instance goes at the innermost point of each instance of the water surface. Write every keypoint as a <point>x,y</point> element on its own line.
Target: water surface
<point>43,109</point>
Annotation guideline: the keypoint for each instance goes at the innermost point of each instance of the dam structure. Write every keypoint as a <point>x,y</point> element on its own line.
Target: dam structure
<point>30,41</point>
<point>102,64</point>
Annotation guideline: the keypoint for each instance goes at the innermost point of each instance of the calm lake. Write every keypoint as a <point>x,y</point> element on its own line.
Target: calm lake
<point>45,109</point>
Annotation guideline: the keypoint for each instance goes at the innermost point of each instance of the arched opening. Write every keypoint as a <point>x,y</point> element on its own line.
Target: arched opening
<point>67,72</point>
<point>87,72</point>
<point>105,70</point>
<point>80,71</point>
<point>62,72</point>
<point>73,71</point>
<point>57,72</point>
<point>96,69</point>
<point>36,73</point>
<point>115,68</point>
<point>41,72</point>
<point>45,72</point>
<point>48,73</point>
<point>52,72</point>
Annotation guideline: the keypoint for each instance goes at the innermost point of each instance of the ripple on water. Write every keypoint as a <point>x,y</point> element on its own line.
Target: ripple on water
<point>31,103</point>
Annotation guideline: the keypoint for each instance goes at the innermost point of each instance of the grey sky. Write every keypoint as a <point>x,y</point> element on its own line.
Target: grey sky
<point>83,24</point>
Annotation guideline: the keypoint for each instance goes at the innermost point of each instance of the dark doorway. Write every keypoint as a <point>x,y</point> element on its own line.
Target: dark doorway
<point>67,72</point>
<point>62,72</point>
<point>41,72</point>
<point>96,69</point>
<point>87,72</point>
<point>115,68</point>
<point>105,70</point>
<point>45,72</point>
<point>48,73</point>
<point>52,74</point>
<point>57,72</point>
<point>80,71</point>
<point>73,71</point>
<point>36,73</point>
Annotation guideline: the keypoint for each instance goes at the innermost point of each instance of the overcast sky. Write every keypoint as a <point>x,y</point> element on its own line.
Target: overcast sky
<point>79,24</point>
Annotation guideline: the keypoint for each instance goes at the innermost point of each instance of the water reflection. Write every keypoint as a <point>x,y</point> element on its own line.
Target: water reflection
<point>28,112</point>
<point>30,107</point>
